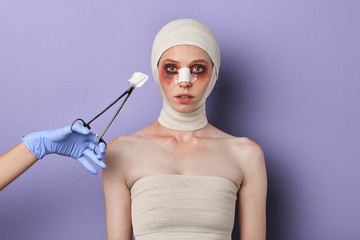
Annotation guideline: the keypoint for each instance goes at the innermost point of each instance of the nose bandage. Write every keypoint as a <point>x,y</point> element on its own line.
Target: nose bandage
<point>185,76</point>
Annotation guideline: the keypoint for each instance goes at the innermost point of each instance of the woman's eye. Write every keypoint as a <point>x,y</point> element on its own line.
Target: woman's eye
<point>198,69</point>
<point>171,68</point>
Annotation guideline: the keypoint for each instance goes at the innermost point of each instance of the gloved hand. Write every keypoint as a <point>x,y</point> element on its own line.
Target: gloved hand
<point>64,142</point>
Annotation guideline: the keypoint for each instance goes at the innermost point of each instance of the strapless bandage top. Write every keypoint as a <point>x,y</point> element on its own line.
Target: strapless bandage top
<point>179,207</point>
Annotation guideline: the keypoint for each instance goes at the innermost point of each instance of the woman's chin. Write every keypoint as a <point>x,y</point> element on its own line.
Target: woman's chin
<point>183,109</point>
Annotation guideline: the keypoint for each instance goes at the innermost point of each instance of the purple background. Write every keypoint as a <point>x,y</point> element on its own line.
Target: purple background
<point>289,79</point>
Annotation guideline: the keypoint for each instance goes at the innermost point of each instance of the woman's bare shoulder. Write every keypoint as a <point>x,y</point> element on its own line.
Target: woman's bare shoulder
<point>249,155</point>
<point>130,139</point>
<point>243,147</point>
<point>123,145</point>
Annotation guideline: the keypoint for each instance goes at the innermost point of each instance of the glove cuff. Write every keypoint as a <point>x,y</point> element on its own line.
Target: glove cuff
<point>34,143</point>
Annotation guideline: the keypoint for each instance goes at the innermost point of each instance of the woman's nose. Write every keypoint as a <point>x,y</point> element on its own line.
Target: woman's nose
<point>184,84</point>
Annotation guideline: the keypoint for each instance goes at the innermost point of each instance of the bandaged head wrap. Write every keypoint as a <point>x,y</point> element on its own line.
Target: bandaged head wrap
<point>185,32</point>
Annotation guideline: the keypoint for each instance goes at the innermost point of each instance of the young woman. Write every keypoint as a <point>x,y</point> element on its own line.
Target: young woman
<point>180,177</point>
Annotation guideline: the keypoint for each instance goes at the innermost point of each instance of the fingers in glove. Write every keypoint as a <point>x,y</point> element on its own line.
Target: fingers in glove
<point>101,147</point>
<point>87,165</point>
<point>100,150</point>
<point>79,128</point>
<point>91,155</point>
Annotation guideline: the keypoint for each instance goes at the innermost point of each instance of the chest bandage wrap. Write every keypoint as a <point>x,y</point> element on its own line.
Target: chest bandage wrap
<point>185,32</point>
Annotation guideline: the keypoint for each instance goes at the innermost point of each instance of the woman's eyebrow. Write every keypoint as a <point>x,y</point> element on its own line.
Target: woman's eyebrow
<point>192,62</point>
<point>170,60</point>
<point>200,61</point>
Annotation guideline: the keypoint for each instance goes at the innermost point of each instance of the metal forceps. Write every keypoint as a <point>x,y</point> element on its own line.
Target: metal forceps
<point>126,94</point>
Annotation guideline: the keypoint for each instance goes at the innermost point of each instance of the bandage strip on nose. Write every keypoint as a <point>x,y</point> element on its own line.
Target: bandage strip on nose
<point>185,76</point>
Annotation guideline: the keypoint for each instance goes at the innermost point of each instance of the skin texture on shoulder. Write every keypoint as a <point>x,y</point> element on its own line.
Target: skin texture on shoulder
<point>158,150</point>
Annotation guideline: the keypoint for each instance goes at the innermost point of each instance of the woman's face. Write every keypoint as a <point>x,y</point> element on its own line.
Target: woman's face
<point>184,96</point>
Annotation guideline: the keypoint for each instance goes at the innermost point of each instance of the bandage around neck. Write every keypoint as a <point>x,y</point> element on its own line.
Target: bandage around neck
<point>185,32</point>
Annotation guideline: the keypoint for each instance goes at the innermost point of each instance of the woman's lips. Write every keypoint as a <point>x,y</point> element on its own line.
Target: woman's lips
<point>184,98</point>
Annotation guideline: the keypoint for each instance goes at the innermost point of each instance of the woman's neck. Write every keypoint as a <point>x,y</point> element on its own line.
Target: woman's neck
<point>171,119</point>
<point>179,136</point>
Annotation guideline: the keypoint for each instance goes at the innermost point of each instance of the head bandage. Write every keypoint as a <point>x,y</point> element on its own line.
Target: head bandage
<point>184,75</point>
<point>185,32</point>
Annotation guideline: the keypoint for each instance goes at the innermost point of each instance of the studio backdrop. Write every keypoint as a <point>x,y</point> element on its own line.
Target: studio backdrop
<point>289,80</point>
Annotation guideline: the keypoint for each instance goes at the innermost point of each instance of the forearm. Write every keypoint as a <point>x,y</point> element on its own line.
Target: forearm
<point>14,163</point>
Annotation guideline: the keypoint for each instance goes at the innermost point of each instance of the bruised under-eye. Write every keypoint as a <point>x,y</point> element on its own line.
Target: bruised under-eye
<point>198,69</point>
<point>169,71</point>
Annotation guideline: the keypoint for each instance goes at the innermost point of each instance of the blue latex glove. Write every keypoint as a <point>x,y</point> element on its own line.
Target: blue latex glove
<point>64,142</point>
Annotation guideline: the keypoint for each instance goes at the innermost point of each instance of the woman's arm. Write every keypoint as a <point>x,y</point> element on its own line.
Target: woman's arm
<point>14,163</point>
<point>117,195</point>
<point>252,195</point>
